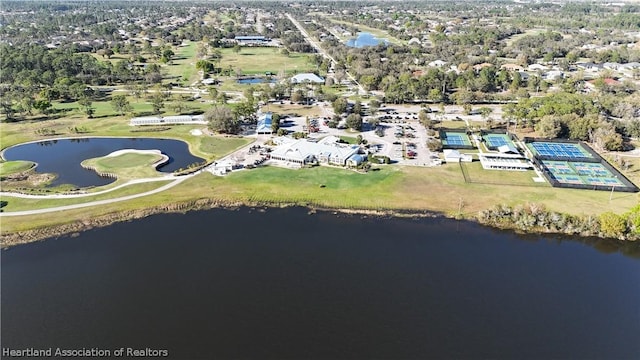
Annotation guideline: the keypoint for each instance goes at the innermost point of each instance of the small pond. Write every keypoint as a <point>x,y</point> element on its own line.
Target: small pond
<point>364,39</point>
<point>256,80</point>
<point>63,157</point>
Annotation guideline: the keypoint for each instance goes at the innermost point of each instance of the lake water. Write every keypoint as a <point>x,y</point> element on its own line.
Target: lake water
<point>364,39</point>
<point>63,157</point>
<point>284,284</point>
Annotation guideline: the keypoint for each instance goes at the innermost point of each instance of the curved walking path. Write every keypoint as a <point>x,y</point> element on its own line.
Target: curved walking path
<point>97,202</point>
<point>86,194</point>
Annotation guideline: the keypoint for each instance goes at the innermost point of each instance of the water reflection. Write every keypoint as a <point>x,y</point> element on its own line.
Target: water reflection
<point>63,157</point>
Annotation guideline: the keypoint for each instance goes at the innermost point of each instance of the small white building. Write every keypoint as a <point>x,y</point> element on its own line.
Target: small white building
<point>304,77</point>
<point>504,161</point>
<point>451,155</point>
<point>174,120</point>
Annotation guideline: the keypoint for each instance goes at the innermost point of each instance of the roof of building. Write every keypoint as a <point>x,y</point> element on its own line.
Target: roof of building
<point>300,78</point>
<point>302,149</point>
<point>508,148</point>
<point>250,37</point>
<point>264,122</point>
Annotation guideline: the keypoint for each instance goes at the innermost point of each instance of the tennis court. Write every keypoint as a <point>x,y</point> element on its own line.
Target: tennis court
<point>453,139</point>
<point>559,150</point>
<point>494,141</point>
<point>580,173</point>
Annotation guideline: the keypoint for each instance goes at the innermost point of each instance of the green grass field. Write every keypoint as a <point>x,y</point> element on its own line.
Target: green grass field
<point>258,60</point>
<point>440,189</point>
<point>301,110</point>
<point>183,67</point>
<point>127,165</point>
<point>13,167</point>
<point>498,177</point>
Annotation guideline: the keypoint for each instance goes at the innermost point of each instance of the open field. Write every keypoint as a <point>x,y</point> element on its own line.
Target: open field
<point>440,189</point>
<point>126,166</point>
<point>183,67</point>
<point>258,60</point>
<point>536,31</point>
<point>301,110</point>
<point>12,167</point>
<point>477,174</point>
<point>450,124</point>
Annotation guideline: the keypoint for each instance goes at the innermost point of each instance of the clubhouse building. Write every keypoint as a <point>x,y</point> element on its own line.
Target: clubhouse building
<point>326,151</point>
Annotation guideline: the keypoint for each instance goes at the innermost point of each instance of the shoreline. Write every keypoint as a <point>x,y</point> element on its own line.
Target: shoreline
<point>10,240</point>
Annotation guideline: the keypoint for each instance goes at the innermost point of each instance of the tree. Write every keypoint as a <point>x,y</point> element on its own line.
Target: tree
<point>580,127</point>
<point>237,48</point>
<point>354,122</point>
<point>340,105</point>
<point>157,102</point>
<point>328,81</point>
<point>42,106</point>
<point>275,123</point>
<point>213,93</point>
<point>605,137</point>
<point>284,52</point>
<point>205,66</point>
<point>297,96</point>
<point>120,104</point>
<point>424,118</point>
<point>374,106</point>
<point>549,127</point>
<point>357,108</point>
<point>222,120</point>
<point>86,104</point>
<point>434,145</point>
<point>167,56</point>
<point>612,225</point>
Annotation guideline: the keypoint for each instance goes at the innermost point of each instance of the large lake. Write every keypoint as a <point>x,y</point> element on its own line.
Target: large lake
<point>63,157</point>
<point>285,284</point>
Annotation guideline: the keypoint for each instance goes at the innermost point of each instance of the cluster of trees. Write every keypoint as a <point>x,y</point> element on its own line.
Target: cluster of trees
<point>579,117</point>
<point>354,117</point>
<point>534,217</point>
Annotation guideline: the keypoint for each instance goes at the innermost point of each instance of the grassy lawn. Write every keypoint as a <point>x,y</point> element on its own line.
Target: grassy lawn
<point>19,204</point>
<point>127,165</point>
<point>301,110</point>
<point>183,67</point>
<point>258,60</point>
<point>216,145</point>
<point>440,189</point>
<point>449,124</point>
<point>349,139</point>
<point>12,167</point>
<point>510,40</point>
<point>498,177</point>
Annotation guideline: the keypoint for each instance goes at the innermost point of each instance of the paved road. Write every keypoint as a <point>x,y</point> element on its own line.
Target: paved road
<point>322,51</point>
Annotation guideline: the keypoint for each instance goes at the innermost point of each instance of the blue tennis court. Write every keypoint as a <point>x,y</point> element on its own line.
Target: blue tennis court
<point>494,141</point>
<point>559,150</point>
<point>455,139</point>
